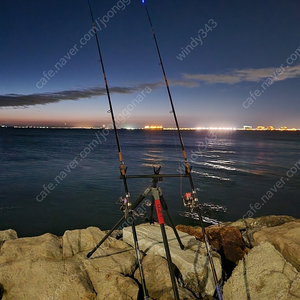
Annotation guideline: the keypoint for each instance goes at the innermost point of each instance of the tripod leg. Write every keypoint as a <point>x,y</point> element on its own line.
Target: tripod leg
<point>169,259</point>
<point>135,204</point>
<point>165,207</point>
<point>161,222</point>
<point>106,236</point>
<point>151,213</point>
<point>137,251</point>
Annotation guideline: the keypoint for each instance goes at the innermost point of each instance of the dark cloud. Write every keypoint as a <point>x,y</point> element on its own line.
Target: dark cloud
<point>254,75</point>
<point>17,100</point>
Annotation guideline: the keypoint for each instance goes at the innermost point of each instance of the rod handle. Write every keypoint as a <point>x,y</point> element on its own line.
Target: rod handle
<point>219,293</point>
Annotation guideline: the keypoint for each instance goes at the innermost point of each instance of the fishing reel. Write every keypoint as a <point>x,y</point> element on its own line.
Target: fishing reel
<point>190,200</point>
<point>125,205</point>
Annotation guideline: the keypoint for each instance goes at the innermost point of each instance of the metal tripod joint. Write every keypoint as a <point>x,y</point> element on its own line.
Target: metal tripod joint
<point>156,193</point>
<point>159,192</point>
<point>146,191</point>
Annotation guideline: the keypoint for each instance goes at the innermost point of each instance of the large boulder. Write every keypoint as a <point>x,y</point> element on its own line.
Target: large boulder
<point>285,238</point>
<point>110,285</point>
<point>80,240</point>
<point>108,267</point>
<point>248,226</point>
<point>228,239</point>
<point>263,274</point>
<point>34,268</point>
<point>112,255</point>
<point>261,222</point>
<point>184,294</point>
<point>44,279</point>
<point>6,235</point>
<point>111,259</point>
<point>33,248</point>
<point>157,276</point>
<point>192,262</point>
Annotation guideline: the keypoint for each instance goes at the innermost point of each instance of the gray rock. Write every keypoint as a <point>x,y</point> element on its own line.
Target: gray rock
<point>285,238</point>
<point>263,274</point>
<point>192,262</point>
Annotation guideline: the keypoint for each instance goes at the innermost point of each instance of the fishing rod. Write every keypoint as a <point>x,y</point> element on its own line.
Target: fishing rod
<point>128,207</point>
<point>195,202</point>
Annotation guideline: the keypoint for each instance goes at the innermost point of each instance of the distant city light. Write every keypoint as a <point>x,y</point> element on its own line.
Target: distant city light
<point>160,127</point>
<point>154,127</point>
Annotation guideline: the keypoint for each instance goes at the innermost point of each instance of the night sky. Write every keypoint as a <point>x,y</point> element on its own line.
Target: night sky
<point>229,63</point>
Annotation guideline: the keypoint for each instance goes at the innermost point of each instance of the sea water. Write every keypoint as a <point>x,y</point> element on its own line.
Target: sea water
<point>52,180</point>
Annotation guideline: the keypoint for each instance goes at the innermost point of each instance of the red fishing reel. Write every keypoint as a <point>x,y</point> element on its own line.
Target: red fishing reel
<point>188,200</point>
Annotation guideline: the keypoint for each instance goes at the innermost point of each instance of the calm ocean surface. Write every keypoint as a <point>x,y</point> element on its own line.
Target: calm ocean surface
<point>232,169</point>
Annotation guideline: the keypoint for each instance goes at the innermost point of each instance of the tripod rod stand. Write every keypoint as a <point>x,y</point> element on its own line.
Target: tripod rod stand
<point>160,204</point>
<point>157,199</point>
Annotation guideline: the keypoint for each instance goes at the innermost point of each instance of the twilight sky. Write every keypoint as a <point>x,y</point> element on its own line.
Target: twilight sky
<point>228,63</point>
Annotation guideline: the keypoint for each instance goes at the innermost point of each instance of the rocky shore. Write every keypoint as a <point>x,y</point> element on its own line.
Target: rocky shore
<point>255,258</point>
